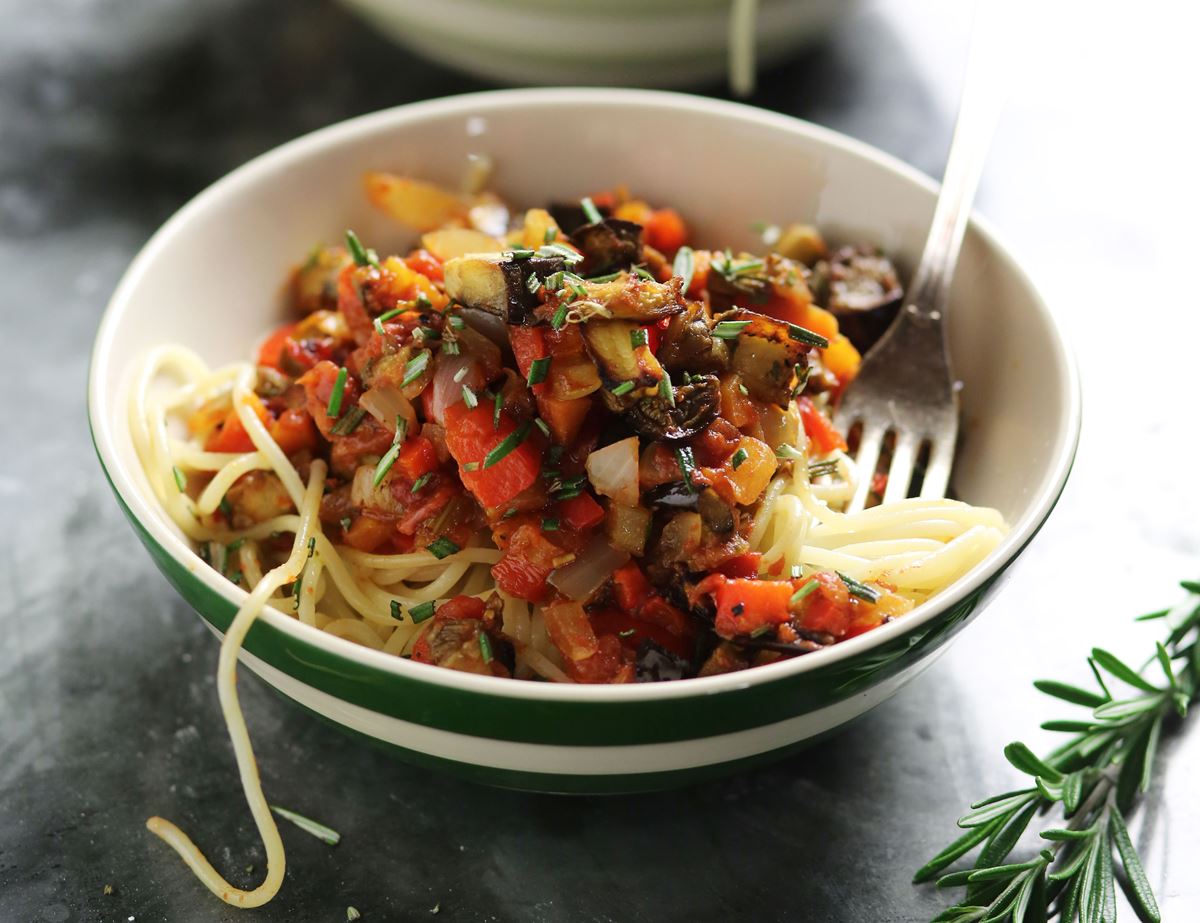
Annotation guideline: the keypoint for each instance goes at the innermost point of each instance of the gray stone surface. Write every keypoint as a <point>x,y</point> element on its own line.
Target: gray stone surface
<point>114,112</point>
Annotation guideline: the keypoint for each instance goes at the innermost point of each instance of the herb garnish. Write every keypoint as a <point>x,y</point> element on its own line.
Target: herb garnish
<point>537,371</point>
<point>320,831</point>
<point>396,613</point>
<point>590,211</point>
<point>562,251</point>
<point>802,592</point>
<point>385,464</point>
<point>498,402</point>
<point>519,254</point>
<point>729,329</point>
<point>542,425</point>
<point>362,256</point>
<point>422,611</point>
<point>551,233</point>
<point>738,457</point>
<point>788,452</point>
<point>442,547</point>
<point>643,273</point>
<point>858,588</point>
<point>560,316</point>
<point>637,337</point>
<point>334,408</point>
<point>684,266</point>
<point>817,469</point>
<point>469,398</point>
<point>510,442</point>
<point>414,368</point>
<point>348,423</point>
<point>421,482</point>
<point>1095,775</point>
<point>623,388</point>
<point>687,464</point>
<point>485,647</point>
<point>549,525</point>
<point>804,335</point>
<point>180,479</point>
<point>533,284</point>
<point>607,277</point>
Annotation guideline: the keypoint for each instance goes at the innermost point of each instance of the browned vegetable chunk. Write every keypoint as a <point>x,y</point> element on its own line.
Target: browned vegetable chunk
<point>314,284</point>
<point>610,344</point>
<point>497,283</point>
<point>688,344</point>
<point>607,245</point>
<point>862,289</point>
<point>696,406</point>
<point>766,356</point>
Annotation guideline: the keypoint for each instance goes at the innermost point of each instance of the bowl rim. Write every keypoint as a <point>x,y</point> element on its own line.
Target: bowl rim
<point>155,524</point>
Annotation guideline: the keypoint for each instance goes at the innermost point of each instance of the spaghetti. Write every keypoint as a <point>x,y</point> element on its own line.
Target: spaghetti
<point>548,454</point>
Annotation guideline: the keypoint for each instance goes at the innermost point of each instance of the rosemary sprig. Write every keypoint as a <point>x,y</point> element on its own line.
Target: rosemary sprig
<point>1095,777</point>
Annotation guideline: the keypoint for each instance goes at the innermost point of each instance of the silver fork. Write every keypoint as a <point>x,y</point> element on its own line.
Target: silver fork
<point>905,385</point>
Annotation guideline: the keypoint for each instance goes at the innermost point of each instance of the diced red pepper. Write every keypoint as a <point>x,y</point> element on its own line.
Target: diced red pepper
<point>630,632</point>
<point>417,457</point>
<point>528,344</point>
<point>528,560</point>
<point>471,435</point>
<point>819,428</point>
<point>581,512</point>
<point>630,587</point>
<point>828,608</point>
<point>231,436</point>
<point>294,430</point>
<point>461,607</point>
<point>271,350</point>
<point>425,263</point>
<point>743,606</point>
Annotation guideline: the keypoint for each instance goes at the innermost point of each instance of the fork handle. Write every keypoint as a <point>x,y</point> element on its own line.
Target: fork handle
<point>978,112</point>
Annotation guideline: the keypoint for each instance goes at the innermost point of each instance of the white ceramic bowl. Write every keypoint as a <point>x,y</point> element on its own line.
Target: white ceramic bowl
<point>656,43</point>
<point>211,278</point>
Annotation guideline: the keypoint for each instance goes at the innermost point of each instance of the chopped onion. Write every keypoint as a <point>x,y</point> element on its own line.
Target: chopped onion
<point>385,404</point>
<point>613,471</point>
<point>447,386</point>
<point>587,573</point>
<point>365,495</point>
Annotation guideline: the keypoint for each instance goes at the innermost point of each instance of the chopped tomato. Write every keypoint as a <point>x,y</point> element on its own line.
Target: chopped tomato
<point>630,587</point>
<point>581,512</point>
<point>819,428</point>
<point>527,563</point>
<point>231,436</point>
<point>744,606</point>
<point>425,263</point>
<point>828,608</point>
<point>665,231</point>
<point>742,565</point>
<point>471,435</point>
<point>271,351</point>
<point>461,607</point>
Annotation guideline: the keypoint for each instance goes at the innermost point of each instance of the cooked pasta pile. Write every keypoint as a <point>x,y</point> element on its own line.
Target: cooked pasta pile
<point>562,446</point>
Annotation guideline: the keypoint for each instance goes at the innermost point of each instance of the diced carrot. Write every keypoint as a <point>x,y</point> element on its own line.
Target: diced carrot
<point>294,430</point>
<point>665,231</point>
<point>367,533</point>
<point>231,436</point>
<point>818,320</point>
<point>471,435</point>
<point>819,428</point>
<point>270,352</point>
<point>565,418</point>
<point>630,587</point>
<point>425,263</point>
<point>581,512</point>
<point>842,358</point>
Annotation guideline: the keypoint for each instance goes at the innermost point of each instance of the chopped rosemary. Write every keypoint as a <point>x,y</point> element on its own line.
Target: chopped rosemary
<point>738,457</point>
<point>460,374</point>
<point>396,613</point>
<point>362,256</point>
<point>643,273</point>
<point>401,431</point>
<point>729,329</point>
<point>665,389</point>
<point>485,647</point>
<point>334,408</point>
<point>442,547</point>
<point>450,347</point>
<point>415,367</point>
<point>519,254</point>
<point>348,423</point>
<point>551,233</point>
<point>761,630</point>
<point>497,402</point>
<point>549,525</point>
<point>422,611</point>
<point>470,466</point>
<point>562,251</point>
<point>312,546</point>
<point>560,316</point>
<point>627,633</point>
<point>235,545</point>
<point>684,266</point>
<point>345,522</point>
<point>385,464</point>
<point>386,315</point>
<point>510,442</point>
<point>320,831</point>
<point>575,284</point>
<point>554,281</point>
<point>623,388</point>
<point>180,479</point>
<point>533,284</point>
<point>542,425</point>
<point>802,592</point>
<point>422,302</point>
<point>590,211</point>
<point>859,589</point>
<point>687,464</point>
<point>469,398</point>
<point>607,277</point>
<point>421,482</point>
<point>827,466</point>
<point>804,335</point>
<point>788,452</point>
<point>456,322</point>
<point>637,337</point>
<point>509,513</point>
<point>537,371</point>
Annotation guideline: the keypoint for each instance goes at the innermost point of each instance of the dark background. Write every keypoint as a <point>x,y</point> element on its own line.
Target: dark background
<point>114,112</point>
